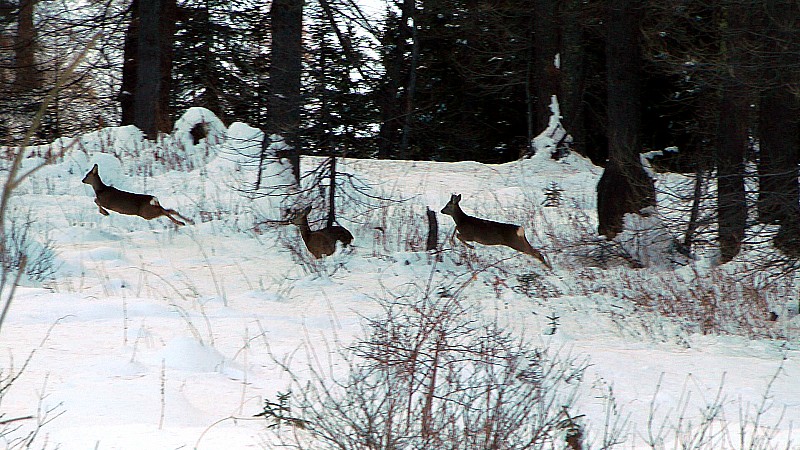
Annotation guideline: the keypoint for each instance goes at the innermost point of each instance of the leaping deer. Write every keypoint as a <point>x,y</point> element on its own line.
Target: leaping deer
<point>488,232</point>
<point>142,205</point>
<point>320,242</point>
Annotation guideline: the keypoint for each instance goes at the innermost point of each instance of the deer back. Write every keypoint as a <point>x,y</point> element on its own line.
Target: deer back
<point>117,200</point>
<point>320,242</point>
<point>489,232</point>
<point>482,231</point>
<point>122,202</point>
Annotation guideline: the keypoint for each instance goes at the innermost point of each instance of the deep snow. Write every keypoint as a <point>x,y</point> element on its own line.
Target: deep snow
<point>151,337</point>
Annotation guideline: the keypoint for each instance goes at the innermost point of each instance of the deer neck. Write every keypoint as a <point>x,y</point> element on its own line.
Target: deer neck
<point>305,230</point>
<point>459,215</point>
<point>98,185</point>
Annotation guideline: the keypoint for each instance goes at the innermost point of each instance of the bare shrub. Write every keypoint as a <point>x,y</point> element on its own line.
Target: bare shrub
<point>714,426</point>
<point>432,373</point>
<point>714,301</point>
<point>19,245</point>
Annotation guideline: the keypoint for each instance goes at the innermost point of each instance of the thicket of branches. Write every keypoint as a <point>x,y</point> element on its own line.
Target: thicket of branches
<point>431,372</point>
<point>444,80</point>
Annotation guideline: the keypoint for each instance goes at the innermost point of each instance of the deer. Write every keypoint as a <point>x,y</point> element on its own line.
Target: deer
<point>142,205</point>
<point>488,232</point>
<point>320,242</point>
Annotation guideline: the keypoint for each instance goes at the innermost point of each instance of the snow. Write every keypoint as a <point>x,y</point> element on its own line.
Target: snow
<point>154,337</point>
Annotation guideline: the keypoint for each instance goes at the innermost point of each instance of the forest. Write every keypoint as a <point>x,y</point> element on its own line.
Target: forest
<point>714,85</point>
<point>627,171</point>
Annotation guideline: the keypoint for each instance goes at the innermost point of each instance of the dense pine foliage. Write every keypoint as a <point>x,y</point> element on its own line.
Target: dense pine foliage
<point>440,80</point>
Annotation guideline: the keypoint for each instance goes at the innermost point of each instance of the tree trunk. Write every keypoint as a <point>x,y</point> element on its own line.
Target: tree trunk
<point>572,81</point>
<point>625,187</point>
<point>732,137</point>
<point>332,193</point>
<point>169,12</point>
<point>129,67</point>
<point>395,47</point>
<point>546,74</point>
<point>731,149</point>
<point>403,152</point>
<point>148,73</point>
<point>779,132</point>
<point>26,75</point>
<point>284,101</point>
<point>779,125</point>
<point>432,242</point>
<point>156,28</point>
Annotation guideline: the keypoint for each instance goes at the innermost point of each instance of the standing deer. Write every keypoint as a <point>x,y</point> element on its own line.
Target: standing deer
<point>320,242</point>
<point>488,232</point>
<point>142,205</point>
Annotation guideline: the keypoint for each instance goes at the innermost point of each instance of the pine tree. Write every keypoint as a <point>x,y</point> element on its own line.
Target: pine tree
<point>624,186</point>
<point>220,59</point>
<point>339,106</point>
<point>147,67</point>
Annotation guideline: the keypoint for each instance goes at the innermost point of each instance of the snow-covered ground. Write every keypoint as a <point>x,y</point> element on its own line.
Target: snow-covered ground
<point>151,337</point>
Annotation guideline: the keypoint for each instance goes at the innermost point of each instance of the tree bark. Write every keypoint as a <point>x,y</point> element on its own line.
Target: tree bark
<point>394,47</point>
<point>731,150</point>
<point>129,58</point>
<point>432,242</point>
<point>404,150</point>
<point>779,125</point>
<point>625,187</point>
<point>572,81</point>
<point>284,102</point>
<point>26,74</point>
<point>546,45</point>
<point>779,132</point>
<point>169,12</point>
<point>732,136</point>
<point>148,73</point>
<point>152,28</point>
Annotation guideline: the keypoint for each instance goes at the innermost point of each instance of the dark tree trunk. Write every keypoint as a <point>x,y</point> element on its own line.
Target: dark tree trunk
<point>129,58</point>
<point>779,131</point>
<point>148,73</point>
<point>432,242</point>
<point>731,150</point>
<point>403,151</point>
<point>546,74</point>
<point>779,125</point>
<point>394,60</point>
<point>732,137</point>
<point>572,81</point>
<point>625,187</point>
<point>154,24</point>
<point>332,193</point>
<point>393,102</point>
<point>26,75</point>
<point>169,12</point>
<point>284,102</point>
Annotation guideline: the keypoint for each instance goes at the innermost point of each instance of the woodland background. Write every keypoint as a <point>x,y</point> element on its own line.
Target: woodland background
<point>714,81</point>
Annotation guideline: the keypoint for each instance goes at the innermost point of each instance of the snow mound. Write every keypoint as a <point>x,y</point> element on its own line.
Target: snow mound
<point>190,355</point>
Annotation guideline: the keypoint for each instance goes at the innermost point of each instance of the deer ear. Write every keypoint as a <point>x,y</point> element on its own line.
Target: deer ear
<point>457,198</point>
<point>95,169</point>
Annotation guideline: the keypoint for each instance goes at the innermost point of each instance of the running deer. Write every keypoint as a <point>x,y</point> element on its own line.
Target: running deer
<point>488,232</point>
<point>320,242</point>
<point>142,205</point>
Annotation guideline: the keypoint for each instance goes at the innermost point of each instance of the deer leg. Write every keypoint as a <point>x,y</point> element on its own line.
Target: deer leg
<point>538,255</point>
<point>165,213</point>
<point>100,208</point>
<point>171,212</point>
<point>458,235</point>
